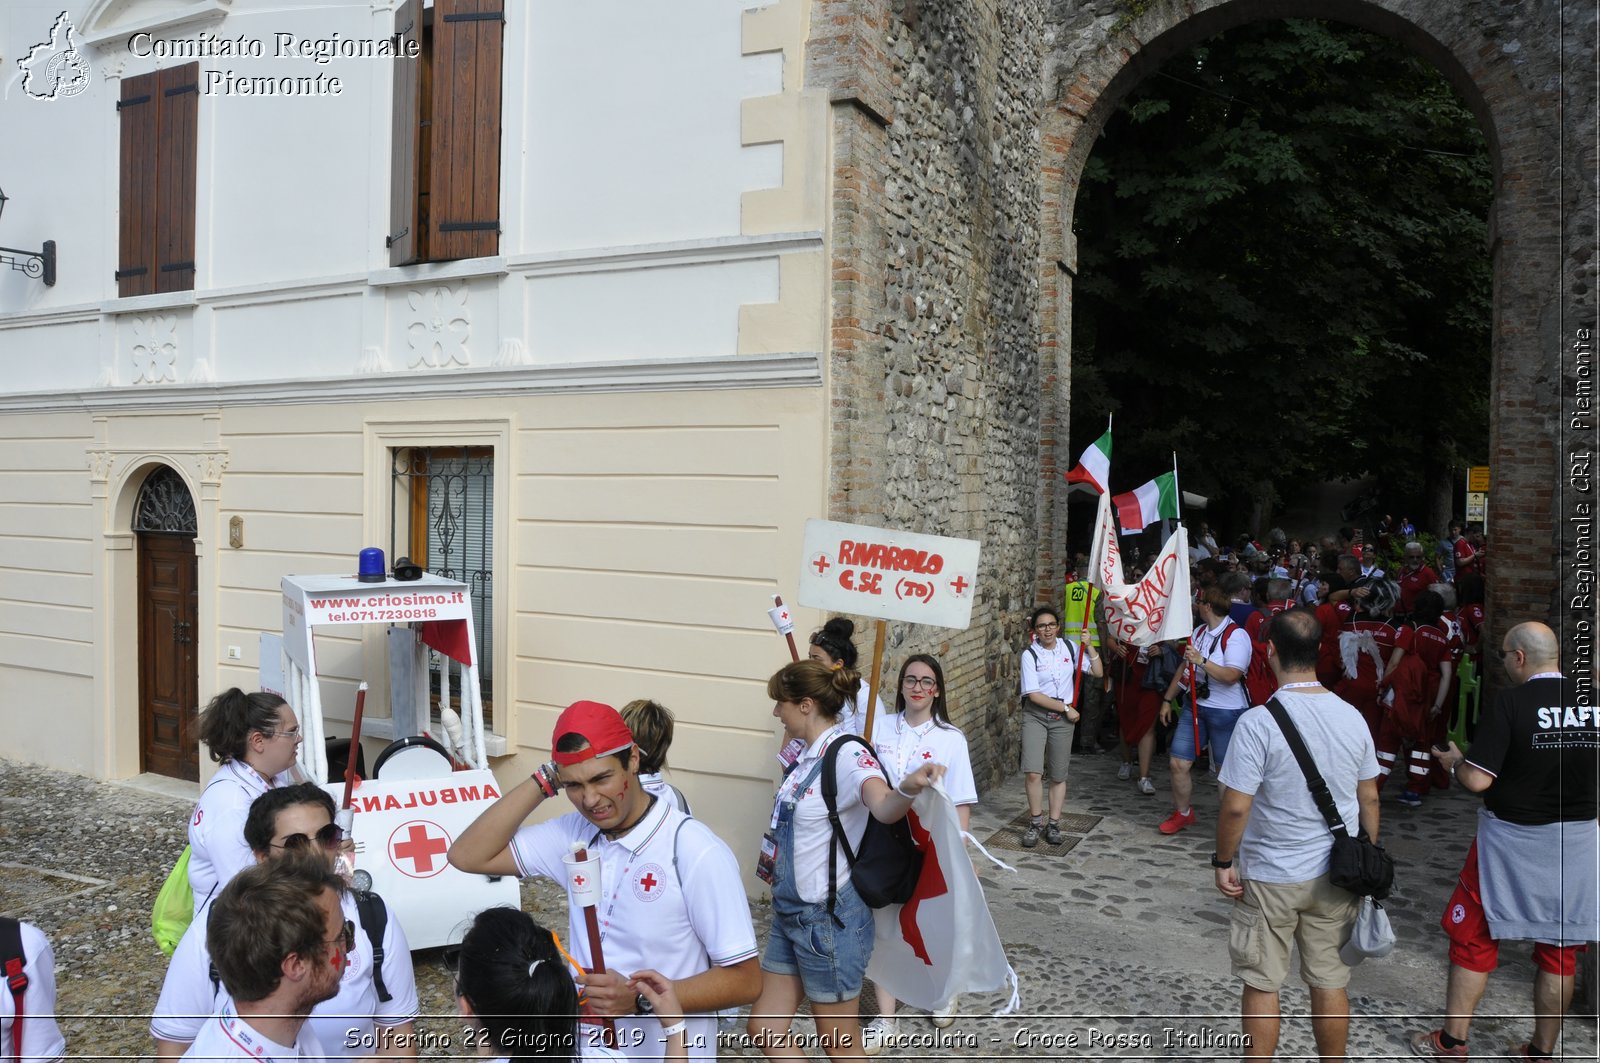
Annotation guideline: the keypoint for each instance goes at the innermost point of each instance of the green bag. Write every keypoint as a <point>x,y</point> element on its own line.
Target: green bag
<point>174,907</point>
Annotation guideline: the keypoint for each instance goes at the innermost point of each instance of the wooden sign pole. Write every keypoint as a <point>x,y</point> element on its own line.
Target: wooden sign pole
<point>872,678</point>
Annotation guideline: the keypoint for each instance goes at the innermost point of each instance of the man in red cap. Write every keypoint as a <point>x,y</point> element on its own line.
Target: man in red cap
<point>670,899</point>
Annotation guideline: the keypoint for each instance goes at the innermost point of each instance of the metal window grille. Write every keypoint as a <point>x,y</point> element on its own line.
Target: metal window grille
<point>442,517</point>
<point>165,505</point>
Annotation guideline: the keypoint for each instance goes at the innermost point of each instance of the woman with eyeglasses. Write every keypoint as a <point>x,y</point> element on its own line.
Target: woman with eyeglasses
<point>822,931</point>
<point>518,1000</point>
<point>376,1005</point>
<point>919,732</point>
<point>254,737</point>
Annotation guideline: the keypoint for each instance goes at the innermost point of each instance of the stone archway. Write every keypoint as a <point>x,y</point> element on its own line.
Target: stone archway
<point>1509,66</point>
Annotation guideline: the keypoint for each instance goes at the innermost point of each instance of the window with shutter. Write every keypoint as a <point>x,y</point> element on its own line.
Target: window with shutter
<point>446,139</point>
<point>158,114</point>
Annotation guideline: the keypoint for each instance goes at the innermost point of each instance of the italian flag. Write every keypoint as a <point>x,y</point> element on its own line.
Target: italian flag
<point>1094,468</point>
<point>1144,505</point>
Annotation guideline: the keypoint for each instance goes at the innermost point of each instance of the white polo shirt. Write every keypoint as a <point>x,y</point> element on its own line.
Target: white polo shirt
<point>679,922</point>
<point>1049,671</point>
<point>346,1025</point>
<point>653,783</point>
<point>812,832</point>
<point>216,830</point>
<point>226,1036</point>
<point>903,749</point>
<point>1229,649</point>
<point>855,718</point>
<point>42,1040</point>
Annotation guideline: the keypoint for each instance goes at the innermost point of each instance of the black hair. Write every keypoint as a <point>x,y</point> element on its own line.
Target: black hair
<point>941,715</point>
<point>1427,607</point>
<point>262,822</point>
<point>835,638</point>
<point>1033,617</point>
<point>1295,635</point>
<point>233,716</point>
<point>516,980</point>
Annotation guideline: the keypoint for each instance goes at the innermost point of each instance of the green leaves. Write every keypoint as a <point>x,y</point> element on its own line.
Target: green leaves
<point>1283,271</point>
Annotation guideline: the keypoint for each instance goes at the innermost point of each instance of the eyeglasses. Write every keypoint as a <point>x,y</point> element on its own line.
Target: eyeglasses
<point>293,732</point>
<point>1506,653</point>
<point>924,682</point>
<point>329,837</point>
<point>346,938</point>
<point>1046,625</point>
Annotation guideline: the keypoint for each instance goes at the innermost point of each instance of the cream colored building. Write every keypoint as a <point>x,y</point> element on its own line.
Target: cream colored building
<point>618,345</point>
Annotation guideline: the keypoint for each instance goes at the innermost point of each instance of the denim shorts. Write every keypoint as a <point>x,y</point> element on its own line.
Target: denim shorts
<point>1216,730</point>
<point>829,960</point>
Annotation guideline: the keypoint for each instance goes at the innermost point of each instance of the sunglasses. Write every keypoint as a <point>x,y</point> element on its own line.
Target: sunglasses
<point>346,938</point>
<point>329,837</point>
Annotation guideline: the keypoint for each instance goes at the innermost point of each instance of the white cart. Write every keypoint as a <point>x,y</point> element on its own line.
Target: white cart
<point>403,827</point>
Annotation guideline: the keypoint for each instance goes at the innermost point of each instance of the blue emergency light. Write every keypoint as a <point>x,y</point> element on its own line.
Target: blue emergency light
<point>370,569</point>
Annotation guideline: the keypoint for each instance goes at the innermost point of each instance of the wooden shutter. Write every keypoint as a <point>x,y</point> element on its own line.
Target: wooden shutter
<point>176,121</point>
<point>404,237</point>
<point>464,197</point>
<point>136,204</point>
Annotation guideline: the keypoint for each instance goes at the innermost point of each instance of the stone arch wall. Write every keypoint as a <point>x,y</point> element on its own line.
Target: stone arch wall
<point>957,131</point>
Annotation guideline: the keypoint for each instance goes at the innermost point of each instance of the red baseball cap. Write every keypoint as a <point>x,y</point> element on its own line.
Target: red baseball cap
<point>600,725</point>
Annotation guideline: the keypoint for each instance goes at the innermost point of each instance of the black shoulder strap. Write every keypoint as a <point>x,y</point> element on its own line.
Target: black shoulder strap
<point>15,962</point>
<point>830,798</point>
<point>1314,780</point>
<point>375,919</point>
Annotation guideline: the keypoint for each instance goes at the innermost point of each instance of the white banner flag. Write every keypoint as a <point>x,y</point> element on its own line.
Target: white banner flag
<point>1157,608</point>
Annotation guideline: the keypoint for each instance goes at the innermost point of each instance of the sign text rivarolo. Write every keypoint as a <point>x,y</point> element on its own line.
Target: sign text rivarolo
<point>893,575</point>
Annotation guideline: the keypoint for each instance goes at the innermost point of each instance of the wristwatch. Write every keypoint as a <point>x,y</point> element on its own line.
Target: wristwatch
<point>1220,865</point>
<point>642,1005</point>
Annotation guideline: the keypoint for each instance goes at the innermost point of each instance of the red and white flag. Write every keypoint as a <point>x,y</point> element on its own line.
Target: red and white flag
<point>1155,609</point>
<point>942,942</point>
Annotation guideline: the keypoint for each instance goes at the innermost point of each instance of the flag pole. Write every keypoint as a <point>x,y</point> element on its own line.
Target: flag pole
<point>1177,490</point>
<point>872,680</point>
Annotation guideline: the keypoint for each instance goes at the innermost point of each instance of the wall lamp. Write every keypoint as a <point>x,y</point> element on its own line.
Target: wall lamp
<point>37,264</point>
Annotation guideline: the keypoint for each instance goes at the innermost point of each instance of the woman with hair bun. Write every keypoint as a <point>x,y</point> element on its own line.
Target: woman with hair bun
<point>833,644</point>
<point>254,737</point>
<point>821,938</point>
<point>516,994</point>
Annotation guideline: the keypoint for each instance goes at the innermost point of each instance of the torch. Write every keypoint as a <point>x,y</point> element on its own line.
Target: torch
<point>583,889</point>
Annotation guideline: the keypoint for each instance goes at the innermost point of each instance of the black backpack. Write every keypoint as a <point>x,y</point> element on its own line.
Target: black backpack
<point>885,869</point>
<point>15,962</point>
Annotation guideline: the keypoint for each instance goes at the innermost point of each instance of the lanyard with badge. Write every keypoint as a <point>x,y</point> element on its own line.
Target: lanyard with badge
<point>784,801</point>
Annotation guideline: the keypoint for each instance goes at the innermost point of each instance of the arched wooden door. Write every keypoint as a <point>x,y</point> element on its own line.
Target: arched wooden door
<point>164,522</point>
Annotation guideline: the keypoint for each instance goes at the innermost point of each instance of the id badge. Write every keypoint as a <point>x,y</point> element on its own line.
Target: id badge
<point>767,862</point>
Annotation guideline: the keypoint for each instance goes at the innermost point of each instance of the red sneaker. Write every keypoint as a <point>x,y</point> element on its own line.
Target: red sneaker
<point>1426,1044</point>
<point>1177,821</point>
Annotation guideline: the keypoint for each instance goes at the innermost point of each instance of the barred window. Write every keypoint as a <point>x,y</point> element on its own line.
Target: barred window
<point>442,517</point>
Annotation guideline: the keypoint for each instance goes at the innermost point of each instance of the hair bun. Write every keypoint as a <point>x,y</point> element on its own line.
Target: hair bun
<point>842,626</point>
<point>846,680</point>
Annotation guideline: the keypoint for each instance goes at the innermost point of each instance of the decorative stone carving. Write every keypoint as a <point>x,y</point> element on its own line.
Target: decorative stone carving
<point>201,373</point>
<point>100,463</point>
<point>512,353</point>
<point>155,349</point>
<point>211,465</point>
<point>372,361</point>
<point>440,325</point>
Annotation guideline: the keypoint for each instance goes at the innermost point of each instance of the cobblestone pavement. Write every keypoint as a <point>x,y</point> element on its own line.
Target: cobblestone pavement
<point>1120,943</point>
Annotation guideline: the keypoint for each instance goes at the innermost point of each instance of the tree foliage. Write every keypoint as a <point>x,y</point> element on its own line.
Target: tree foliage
<point>1283,271</point>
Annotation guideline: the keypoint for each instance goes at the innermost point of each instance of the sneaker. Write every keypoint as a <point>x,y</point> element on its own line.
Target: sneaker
<point>1030,837</point>
<point>1177,821</point>
<point>1147,787</point>
<point>945,1016</point>
<point>1125,772</point>
<point>1425,1043</point>
<point>1053,835</point>
<point>877,1035</point>
<point>1411,798</point>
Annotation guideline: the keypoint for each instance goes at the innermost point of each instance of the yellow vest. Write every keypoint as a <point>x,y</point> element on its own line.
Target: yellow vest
<point>1078,615</point>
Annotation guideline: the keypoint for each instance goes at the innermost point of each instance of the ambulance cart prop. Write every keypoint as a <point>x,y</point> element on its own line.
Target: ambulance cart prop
<point>417,803</point>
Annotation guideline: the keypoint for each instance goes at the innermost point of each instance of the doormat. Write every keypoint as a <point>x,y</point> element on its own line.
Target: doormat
<point>1074,825</point>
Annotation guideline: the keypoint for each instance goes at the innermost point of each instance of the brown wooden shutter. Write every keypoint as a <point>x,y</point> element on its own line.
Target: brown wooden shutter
<point>136,204</point>
<point>464,200</point>
<point>404,237</point>
<point>177,122</point>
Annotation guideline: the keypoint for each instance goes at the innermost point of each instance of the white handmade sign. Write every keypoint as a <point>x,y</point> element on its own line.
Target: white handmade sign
<point>893,575</point>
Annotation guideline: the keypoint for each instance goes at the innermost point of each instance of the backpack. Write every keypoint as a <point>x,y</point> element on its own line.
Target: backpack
<point>15,962</point>
<point>174,907</point>
<point>1259,682</point>
<point>374,919</point>
<point>885,869</point>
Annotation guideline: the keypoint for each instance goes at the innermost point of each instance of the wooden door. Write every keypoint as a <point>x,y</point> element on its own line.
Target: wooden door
<point>168,685</point>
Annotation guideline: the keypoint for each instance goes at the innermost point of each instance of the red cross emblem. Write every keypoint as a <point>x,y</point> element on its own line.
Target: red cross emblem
<point>648,885</point>
<point>820,563</point>
<point>959,585</point>
<point>926,754</point>
<point>414,846</point>
<point>577,880</point>
<point>784,615</point>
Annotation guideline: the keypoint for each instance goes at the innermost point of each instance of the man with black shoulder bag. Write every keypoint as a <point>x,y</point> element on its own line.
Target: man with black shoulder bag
<point>1276,836</point>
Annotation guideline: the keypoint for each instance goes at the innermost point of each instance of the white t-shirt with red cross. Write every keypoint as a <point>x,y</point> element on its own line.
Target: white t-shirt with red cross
<point>904,748</point>
<point>854,766</point>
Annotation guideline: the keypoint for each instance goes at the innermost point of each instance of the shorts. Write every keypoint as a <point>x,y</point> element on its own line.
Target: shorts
<point>1315,915</point>
<point>1042,737</point>
<point>829,960</point>
<point>1471,947</point>
<point>1216,731</point>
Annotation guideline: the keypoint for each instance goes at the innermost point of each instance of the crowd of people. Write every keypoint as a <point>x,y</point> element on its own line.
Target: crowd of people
<point>285,959</point>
